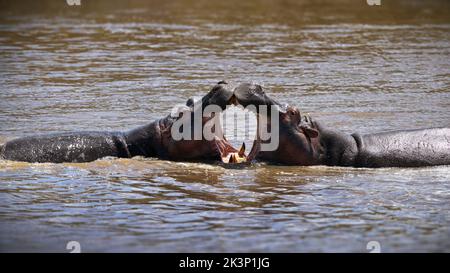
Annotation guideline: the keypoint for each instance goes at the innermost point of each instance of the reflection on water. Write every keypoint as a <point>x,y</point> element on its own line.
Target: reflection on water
<point>117,66</point>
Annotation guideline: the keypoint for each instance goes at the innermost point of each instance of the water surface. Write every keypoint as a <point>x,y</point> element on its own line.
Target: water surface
<point>114,66</point>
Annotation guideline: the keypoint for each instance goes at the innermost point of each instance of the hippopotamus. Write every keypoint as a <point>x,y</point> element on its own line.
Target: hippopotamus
<point>304,141</point>
<point>151,140</point>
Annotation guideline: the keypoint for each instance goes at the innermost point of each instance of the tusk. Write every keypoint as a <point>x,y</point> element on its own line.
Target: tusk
<point>241,152</point>
<point>230,160</point>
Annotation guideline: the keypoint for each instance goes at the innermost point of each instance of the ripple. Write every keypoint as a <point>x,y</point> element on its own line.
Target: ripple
<point>127,66</point>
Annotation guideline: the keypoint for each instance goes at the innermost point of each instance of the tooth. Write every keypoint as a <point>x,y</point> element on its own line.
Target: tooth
<point>231,159</point>
<point>242,150</point>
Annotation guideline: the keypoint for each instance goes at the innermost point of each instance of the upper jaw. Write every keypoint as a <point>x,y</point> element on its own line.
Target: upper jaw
<point>219,95</point>
<point>253,94</point>
<point>244,94</point>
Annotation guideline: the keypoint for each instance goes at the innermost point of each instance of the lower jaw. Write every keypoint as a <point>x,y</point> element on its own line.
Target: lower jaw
<point>234,157</point>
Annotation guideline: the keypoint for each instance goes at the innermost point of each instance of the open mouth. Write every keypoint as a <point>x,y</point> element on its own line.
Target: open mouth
<point>228,154</point>
<point>243,95</point>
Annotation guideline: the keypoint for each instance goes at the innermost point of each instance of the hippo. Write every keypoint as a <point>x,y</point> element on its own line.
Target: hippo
<point>304,141</point>
<point>151,140</point>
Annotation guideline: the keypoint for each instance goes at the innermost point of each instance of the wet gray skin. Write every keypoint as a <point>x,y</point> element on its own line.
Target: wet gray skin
<point>253,94</point>
<point>151,140</point>
<point>303,141</point>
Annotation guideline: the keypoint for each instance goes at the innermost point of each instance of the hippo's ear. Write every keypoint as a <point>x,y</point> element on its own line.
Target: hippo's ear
<point>310,132</point>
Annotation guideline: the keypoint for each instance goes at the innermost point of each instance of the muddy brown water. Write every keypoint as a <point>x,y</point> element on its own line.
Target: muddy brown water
<point>114,66</point>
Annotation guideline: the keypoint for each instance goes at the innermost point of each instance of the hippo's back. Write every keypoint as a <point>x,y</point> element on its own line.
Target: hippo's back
<point>64,147</point>
<point>412,148</point>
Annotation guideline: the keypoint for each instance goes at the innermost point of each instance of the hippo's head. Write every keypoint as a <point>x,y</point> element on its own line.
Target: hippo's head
<point>297,135</point>
<point>195,146</point>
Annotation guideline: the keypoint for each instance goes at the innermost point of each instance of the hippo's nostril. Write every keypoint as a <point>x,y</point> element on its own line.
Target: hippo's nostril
<point>190,102</point>
<point>222,82</point>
